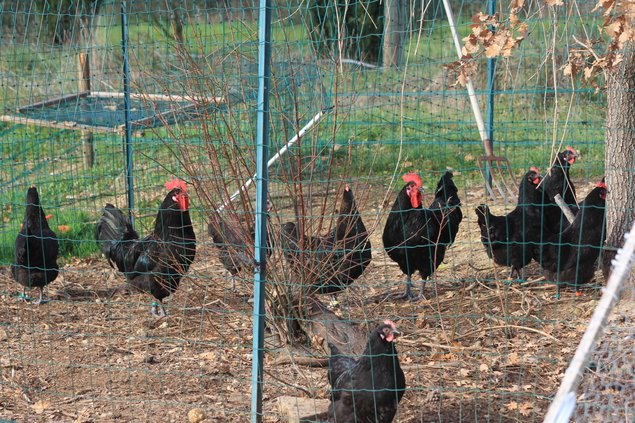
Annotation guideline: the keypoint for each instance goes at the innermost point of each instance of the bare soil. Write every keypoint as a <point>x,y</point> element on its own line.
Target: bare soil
<point>477,349</point>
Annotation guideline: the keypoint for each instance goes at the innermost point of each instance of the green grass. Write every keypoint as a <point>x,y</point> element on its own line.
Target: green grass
<point>382,113</point>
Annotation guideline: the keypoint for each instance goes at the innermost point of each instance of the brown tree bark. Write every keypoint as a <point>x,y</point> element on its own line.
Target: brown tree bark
<point>620,155</point>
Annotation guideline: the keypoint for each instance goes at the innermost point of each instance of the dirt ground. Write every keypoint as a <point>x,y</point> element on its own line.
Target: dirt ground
<point>477,349</point>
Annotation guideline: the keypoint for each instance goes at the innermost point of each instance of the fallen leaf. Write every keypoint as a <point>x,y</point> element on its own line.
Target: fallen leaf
<point>512,406</point>
<point>525,408</point>
<point>513,359</point>
<point>40,406</point>
<point>63,228</point>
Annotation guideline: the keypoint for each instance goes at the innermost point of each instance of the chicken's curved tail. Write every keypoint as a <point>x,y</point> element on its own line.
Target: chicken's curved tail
<point>113,226</point>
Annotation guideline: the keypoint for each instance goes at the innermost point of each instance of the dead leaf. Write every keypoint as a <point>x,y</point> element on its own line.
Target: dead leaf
<point>517,4</point>
<point>525,408</point>
<point>513,359</point>
<point>554,2</point>
<point>40,406</point>
<point>512,406</point>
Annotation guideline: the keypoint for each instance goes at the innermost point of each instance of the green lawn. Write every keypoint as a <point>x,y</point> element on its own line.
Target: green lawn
<point>412,113</point>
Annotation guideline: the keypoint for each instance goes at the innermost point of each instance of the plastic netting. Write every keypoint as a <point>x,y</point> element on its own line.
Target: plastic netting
<point>476,348</point>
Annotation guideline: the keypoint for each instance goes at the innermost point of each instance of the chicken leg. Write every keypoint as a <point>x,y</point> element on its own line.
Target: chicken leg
<point>40,300</point>
<point>407,295</point>
<point>23,296</point>
<point>157,309</point>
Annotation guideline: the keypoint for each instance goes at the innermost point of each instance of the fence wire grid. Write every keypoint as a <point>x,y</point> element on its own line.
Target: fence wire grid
<point>370,86</point>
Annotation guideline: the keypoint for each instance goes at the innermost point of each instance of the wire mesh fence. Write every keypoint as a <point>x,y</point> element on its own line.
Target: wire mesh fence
<point>372,88</point>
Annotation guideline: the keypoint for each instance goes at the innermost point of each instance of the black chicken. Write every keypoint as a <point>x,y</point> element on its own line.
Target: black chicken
<point>417,238</point>
<point>557,181</point>
<point>156,263</point>
<point>367,390</point>
<point>569,257</point>
<point>509,240</point>
<point>36,249</point>
<point>232,251</point>
<point>337,259</point>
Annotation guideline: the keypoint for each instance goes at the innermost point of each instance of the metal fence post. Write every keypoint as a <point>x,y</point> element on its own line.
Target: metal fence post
<point>491,68</point>
<point>126,101</point>
<point>262,135</point>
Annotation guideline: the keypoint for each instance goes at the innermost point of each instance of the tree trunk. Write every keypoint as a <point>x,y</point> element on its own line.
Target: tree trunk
<point>394,29</point>
<point>620,156</point>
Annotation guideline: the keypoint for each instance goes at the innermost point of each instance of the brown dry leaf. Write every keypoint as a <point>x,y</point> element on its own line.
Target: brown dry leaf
<point>493,50</point>
<point>588,72</point>
<point>525,408</point>
<point>517,4</point>
<point>483,367</point>
<point>471,45</point>
<point>464,372</point>
<point>615,28</point>
<point>513,359</point>
<point>513,19</point>
<point>554,2</point>
<point>209,356</point>
<point>509,46</point>
<point>3,335</point>
<point>607,5</point>
<point>40,406</point>
<point>63,228</point>
<point>569,69</point>
<point>480,17</point>
<point>512,406</point>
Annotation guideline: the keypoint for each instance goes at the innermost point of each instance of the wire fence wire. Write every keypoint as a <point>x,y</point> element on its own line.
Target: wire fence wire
<point>476,347</point>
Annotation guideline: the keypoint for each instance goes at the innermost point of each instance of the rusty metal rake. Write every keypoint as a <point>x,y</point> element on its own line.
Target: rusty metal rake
<point>496,170</point>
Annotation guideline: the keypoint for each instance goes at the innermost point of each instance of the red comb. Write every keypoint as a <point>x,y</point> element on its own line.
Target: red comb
<point>413,177</point>
<point>571,149</point>
<point>601,185</point>
<point>176,183</point>
<point>534,169</point>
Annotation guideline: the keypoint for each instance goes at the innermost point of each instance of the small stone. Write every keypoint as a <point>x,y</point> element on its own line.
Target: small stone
<point>196,415</point>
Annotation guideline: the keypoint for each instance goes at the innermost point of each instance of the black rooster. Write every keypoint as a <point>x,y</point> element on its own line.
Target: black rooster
<point>417,238</point>
<point>509,240</point>
<point>156,263</point>
<point>337,259</point>
<point>557,181</point>
<point>367,390</point>
<point>232,251</point>
<point>569,257</point>
<point>36,249</point>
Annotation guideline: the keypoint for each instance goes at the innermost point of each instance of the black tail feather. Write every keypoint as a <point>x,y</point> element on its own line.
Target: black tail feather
<point>113,226</point>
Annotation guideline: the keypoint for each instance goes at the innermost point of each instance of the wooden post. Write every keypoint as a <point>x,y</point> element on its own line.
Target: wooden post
<point>394,28</point>
<point>84,85</point>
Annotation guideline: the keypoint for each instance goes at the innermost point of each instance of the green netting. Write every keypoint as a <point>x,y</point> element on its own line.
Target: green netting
<point>477,348</point>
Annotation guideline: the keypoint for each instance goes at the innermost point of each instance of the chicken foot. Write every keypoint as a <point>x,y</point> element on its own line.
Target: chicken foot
<point>40,300</point>
<point>157,309</point>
